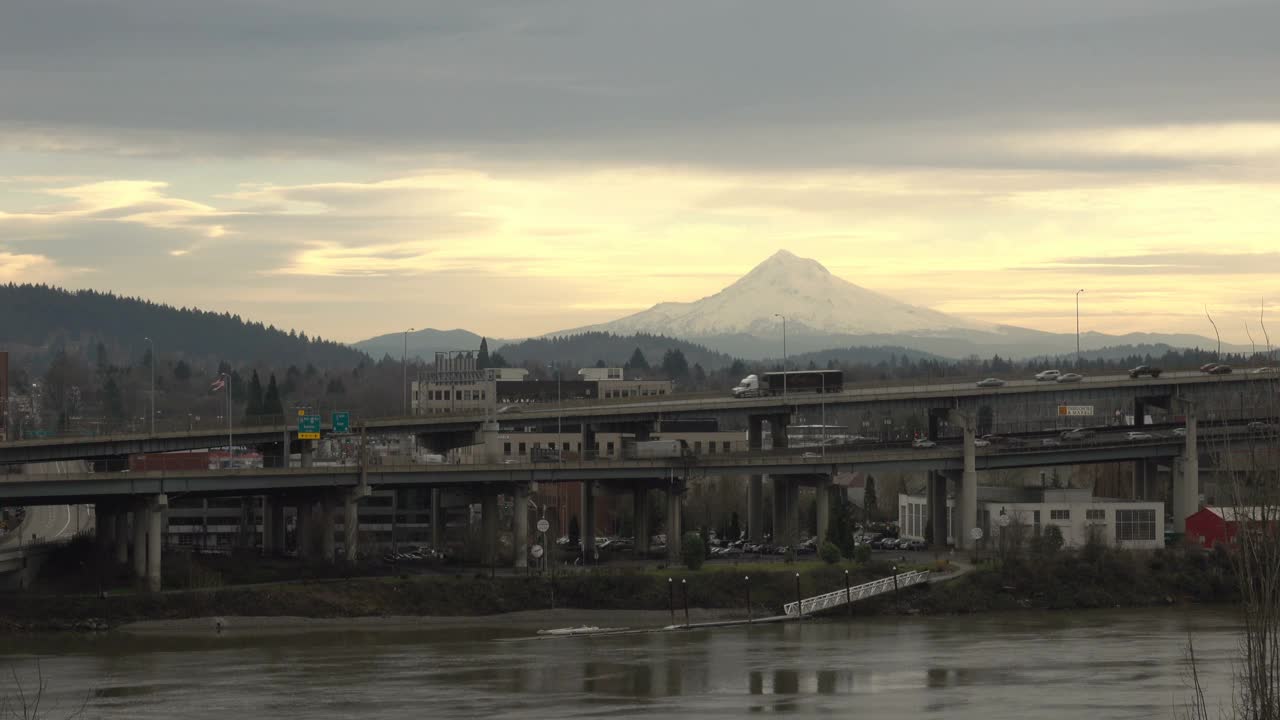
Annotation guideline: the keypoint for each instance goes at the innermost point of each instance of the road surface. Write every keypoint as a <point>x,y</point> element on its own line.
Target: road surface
<point>51,522</point>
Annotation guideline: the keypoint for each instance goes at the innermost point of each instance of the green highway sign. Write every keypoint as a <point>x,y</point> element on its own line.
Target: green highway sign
<point>309,427</point>
<point>342,422</point>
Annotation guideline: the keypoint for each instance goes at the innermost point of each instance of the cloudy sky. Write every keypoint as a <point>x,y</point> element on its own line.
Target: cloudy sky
<point>522,166</point>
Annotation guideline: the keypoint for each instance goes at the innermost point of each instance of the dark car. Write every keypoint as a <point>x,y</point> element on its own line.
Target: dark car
<point>1145,370</point>
<point>1220,370</point>
<point>1208,367</point>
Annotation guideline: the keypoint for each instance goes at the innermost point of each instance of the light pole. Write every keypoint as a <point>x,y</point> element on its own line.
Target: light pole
<point>784,353</point>
<point>226,377</point>
<point>153,384</point>
<point>823,405</point>
<point>404,364</point>
<point>1078,327</point>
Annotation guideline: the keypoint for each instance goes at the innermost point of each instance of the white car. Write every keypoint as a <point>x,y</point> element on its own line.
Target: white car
<point>1069,378</point>
<point>1262,370</point>
<point>1180,432</point>
<point>979,442</point>
<point>1048,375</point>
<point>923,443</point>
<point>1139,436</point>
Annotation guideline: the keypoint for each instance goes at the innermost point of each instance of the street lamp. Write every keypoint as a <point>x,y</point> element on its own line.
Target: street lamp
<point>404,364</point>
<point>1078,327</point>
<point>784,353</point>
<point>153,384</point>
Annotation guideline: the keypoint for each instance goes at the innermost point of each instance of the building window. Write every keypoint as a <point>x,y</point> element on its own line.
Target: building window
<point>566,447</point>
<point>726,446</point>
<point>697,447</point>
<point>1135,525</point>
<point>711,448</point>
<point>1035,522</point>
<point>506,448</point>
<point>609,449</point>
<point>1059,514</point>
<point>1095,514</point>
<point>521,448</point>
<point>459,395</point>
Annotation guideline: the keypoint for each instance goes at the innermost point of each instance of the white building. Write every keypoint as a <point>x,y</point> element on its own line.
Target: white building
<point>1118,523</point>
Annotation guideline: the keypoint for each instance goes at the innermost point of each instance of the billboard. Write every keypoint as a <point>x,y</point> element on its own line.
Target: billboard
<point>1075,410</point>
<point>4,394</point>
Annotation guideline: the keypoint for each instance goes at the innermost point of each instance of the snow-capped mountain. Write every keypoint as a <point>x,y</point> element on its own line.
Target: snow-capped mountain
<point>814,302</point>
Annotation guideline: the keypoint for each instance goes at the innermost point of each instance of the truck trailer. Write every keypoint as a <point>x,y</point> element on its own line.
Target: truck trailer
<point>793,381</point>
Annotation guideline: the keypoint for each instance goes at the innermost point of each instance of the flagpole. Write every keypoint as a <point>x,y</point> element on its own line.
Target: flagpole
<point>230,453</point>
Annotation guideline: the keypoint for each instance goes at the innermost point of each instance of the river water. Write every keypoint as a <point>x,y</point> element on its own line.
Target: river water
<point>1098,664</point>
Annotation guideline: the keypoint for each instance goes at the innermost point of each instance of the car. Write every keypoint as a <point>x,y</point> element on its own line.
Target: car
<point>1208,367</point>
<point>917,545</point>
<point>1263,370</point>
<point>810,455</point>
<point>1258,426</point>
<point>1146,370</point>
<point>1069,378</point>
<point>979,442</point>
<point>1220,370</point>
<point>923,443</point>
<point>1050,442</point>
<point>1180,431</point>
<point>990,382</point>
<point>1048,375</point>
<point>1136,435</point>
<point>1077,435</point>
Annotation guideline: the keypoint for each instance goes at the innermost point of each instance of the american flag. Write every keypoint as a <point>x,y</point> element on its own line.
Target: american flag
<point>218,384</point>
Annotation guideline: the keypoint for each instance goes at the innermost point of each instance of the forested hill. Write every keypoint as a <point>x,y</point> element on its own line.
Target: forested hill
<point>38,319</point>
<point>589,348</point>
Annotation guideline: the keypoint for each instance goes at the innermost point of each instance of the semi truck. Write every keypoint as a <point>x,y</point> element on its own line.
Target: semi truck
<point>795,381</point>
<point>649,449</point>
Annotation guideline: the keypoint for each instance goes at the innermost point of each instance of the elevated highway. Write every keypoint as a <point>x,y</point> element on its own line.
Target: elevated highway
<point>1228,391</point>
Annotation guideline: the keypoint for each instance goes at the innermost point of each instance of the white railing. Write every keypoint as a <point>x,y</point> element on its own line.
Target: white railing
<point>854,594</point>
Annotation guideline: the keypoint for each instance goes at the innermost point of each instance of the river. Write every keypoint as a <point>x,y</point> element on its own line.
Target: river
<point>1098,664</point>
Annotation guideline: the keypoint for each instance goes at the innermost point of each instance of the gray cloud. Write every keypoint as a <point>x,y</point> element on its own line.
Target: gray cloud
<point>1172,263</point>
<point>817,83</point>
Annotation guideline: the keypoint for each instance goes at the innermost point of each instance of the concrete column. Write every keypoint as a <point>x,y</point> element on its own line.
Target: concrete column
<point>793,505</point>
<point>304,529</point>
<point>520,525</point>
<point>937,500</point>
<point>755,485</point>
<point>640,518</point>
<point>967,512</point>
<point>1186,479</point>
<point>248,523</point>
<point>778,431</point>
<point>155,527</point>
<point>588,442</point>
<point>122,534</point>
<point>587,521</point>
<point>437,519</point>
<point>276,543</point>
<point>141,520</point>
<point>306,452</point>
<point>267,506</point>
<point>328,529</point>
<point>350,525</point>
<point>104,525</point>
<point>489,526</point>
<point>675,527</point>
<point>822,493</point>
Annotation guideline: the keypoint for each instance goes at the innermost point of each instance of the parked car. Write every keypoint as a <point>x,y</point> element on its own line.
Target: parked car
<point>1139,436</point>
<point>1220,370</point>
<point>923,443</point>
<point>917,545</point>
<point>991,382</point>
<point>1144,370</point>
<point>1048,375</point>
<point>1069,378</point>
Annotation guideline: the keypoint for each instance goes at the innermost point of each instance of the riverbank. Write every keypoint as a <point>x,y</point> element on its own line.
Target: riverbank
<point>1097,578</point>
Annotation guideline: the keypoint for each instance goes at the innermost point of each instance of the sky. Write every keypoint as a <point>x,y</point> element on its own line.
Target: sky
<point>516,167</point>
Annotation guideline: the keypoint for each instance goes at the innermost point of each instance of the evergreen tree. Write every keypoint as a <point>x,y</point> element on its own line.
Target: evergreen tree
<point>496,360</point>
<point>113,400</point>
<point>482,360</point>
<point>253,396</point>
<point>271,403</point>
<point>101,354</point>
<point>638,361</point>
<point>840,522</point>
<point>182,371</point>
<point>871,502</point>
<point>674,366</point>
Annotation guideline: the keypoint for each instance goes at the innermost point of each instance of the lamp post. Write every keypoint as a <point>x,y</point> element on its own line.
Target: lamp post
<point>784,353</point>
<point>823,402</point>
<point>1078,327</point>
<point>404,364</point>
<point>153,384</point>
<point>230,453</point>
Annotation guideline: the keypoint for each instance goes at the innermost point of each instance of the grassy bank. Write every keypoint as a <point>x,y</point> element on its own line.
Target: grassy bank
<point>1092,578</point>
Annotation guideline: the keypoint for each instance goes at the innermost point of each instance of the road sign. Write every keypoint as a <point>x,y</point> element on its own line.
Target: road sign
<point>309,427</point>
<point>536,551</point>
<point>976,533</point>
<point>342,422</point>
<point>543,525</point>
<point>1073,410</point>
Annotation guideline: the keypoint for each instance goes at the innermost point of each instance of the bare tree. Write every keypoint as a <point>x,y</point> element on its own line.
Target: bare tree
<point>21,702</point>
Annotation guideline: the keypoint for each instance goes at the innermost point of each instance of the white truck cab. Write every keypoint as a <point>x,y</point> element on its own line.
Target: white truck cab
<point>748,386</point>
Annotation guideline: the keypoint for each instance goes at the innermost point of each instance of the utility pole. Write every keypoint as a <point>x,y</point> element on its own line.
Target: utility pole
<point>153,384</point>
<point>784,354</point>
<point>404,364</point>
<point>1078,327</point>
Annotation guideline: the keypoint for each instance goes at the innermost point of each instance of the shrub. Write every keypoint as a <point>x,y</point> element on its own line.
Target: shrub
<point>862,554</point>
<point>829,553</point>
<point>693,552</point>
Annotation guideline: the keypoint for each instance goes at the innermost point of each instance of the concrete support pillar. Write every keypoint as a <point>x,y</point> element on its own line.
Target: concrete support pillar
<point>587,522</point>
<point>305,529</point>
<point>822,496</point>
<point>275,542</point>
<point>437,519</point>
<point>248,522</point>
<point>328,528</point>
<point>1186,479</point>
<point>267,506</point>
<point>122,534</point>
<point>520,525</point>
<point>640,518</point>
<point>307,453</point>
<point>155,528</point>
<point>967,512</point>
<point>141,520</point>
<point>675,525</point>
<point>104,525</point>
<point>778,431</point>
<point>351,525</point>
<point>588,442</point>
<point>755,485</point>
<point>937,501</point>
<point>489,526</point>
